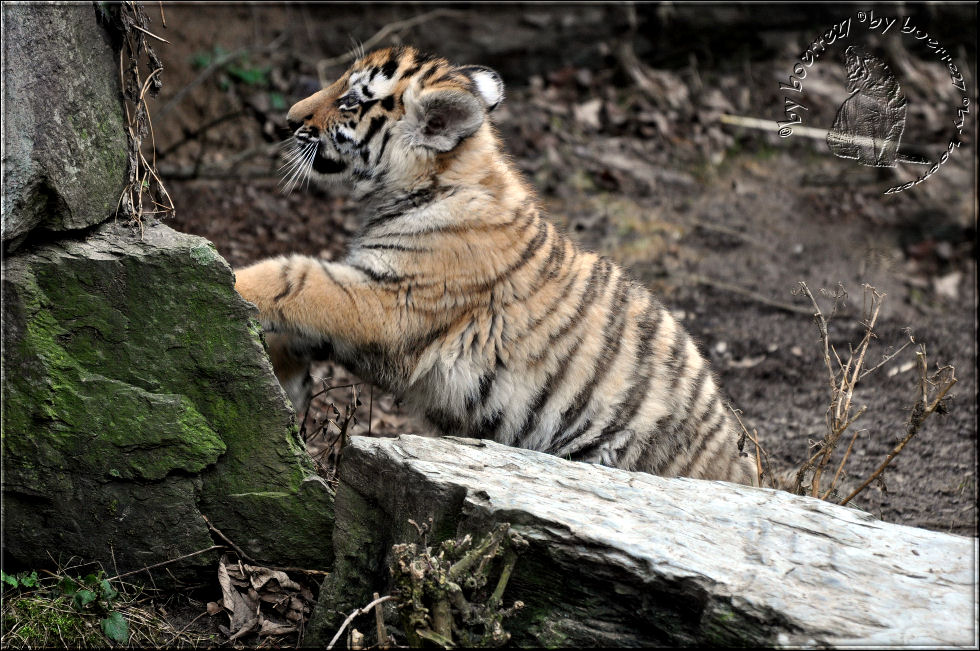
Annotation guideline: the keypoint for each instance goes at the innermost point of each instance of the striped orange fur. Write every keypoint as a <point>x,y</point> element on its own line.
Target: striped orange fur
<point>459,296</point>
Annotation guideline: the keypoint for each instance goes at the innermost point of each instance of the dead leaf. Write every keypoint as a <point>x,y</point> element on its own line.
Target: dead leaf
<point>260,576</point>
<point>241,609</point>
<point>245,588</point>
<point>271,628</point>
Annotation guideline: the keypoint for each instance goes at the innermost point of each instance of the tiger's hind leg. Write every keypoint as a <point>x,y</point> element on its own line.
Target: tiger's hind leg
<point>291,362</point>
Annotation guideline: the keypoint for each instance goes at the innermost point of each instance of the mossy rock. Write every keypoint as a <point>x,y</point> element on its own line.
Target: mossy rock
<point>137,397</point>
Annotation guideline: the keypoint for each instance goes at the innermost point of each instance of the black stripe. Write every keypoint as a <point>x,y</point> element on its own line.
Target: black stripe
<point>445,422</point>
<point>547,273</point>
<point>379,277</point>
<point>420,60</point>
<point>328,165</point>
<point>560,300</point>
<point>388,103</point>
<point>376,123</point>
<point>611,344</point>
<point>678,362</point>
<point>677,426</point>
<point>551,384</point>
<point>712,431</point>
<point>480,286</point>
<point>451,227</point>
<point>402,205</point>
<point>302,279</point>
<point>326,271</point>
<point>428,73</point>
<point>555,260</point>
<point>488,427</point>
<point>418,345</point>
<point>384,145</point>
<point>365,107</point>
<point>390,66</point>
<point>640,390</point>
<point>529,252</point>
<point>287,286</point>
<point>395,247</point>
<point>600,275</point>
<point>485,387</point>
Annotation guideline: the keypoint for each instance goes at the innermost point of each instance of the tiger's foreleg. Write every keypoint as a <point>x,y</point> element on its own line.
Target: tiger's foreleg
<point>305,303</point>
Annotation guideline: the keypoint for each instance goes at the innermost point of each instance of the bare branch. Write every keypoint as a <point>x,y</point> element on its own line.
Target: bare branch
<point>742,291</point>
<point>919,413</point>
<point>360,611</point>
<point>759,450</point>
<point>162,563</point>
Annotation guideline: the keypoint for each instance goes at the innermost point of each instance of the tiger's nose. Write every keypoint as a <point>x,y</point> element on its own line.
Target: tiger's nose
<point>307,133</point>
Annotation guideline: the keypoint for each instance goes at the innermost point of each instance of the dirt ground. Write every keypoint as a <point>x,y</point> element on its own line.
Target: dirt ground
<point>617,120</point>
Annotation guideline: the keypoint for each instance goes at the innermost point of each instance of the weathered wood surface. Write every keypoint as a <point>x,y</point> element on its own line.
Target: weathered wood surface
<point>624,559</point>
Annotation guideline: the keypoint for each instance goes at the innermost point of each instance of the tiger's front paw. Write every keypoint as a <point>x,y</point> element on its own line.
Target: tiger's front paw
<point>259,284</point>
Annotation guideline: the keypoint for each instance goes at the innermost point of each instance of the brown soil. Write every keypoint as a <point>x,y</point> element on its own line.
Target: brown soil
<point>722,222</point>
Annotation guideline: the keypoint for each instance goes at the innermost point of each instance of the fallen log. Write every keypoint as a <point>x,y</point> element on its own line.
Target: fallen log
<point>626,559</point>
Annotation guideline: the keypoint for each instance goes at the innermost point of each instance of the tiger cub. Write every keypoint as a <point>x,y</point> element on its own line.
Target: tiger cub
<point>459,296</point>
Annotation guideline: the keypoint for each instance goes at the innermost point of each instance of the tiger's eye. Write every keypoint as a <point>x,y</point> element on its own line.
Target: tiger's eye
<point>348,102</point>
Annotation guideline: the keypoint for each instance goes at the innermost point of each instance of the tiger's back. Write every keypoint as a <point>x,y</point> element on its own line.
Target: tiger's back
<point>460,297</point>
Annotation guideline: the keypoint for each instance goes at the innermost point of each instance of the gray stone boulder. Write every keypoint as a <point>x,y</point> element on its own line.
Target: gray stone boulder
<point>630,559</point>
<point>137,397</point>
<point>64,141</point>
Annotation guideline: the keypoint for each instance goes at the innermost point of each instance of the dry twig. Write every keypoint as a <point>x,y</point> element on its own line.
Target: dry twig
<point>360,611</point>
<point>392,28</point>
<point>167,562</point>
<point>144,193</point>
<point>942,381</point>
<point>843,376</point>
<point>742,291</point>
<point>760,452</point>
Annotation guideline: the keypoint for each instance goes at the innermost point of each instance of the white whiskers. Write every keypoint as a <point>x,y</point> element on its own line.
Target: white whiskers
<point>298,165</point>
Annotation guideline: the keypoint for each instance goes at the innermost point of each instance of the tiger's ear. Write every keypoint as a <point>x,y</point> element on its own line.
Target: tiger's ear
<point>488,84</point>
<point>445,117</point>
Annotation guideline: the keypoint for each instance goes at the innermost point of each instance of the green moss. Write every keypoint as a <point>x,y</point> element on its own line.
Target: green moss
<point>135,361</point>
<point>44,623</point>
<point>98,424</point>
<point>204,254</point>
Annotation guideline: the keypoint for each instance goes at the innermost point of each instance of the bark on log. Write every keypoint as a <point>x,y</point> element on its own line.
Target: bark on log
<point>624,559</point>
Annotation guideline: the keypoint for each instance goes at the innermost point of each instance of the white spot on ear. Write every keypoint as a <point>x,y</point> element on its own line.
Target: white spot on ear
<point>488,85</point>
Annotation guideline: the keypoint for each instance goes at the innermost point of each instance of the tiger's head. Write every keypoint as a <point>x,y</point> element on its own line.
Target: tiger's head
<point>393,119</point>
